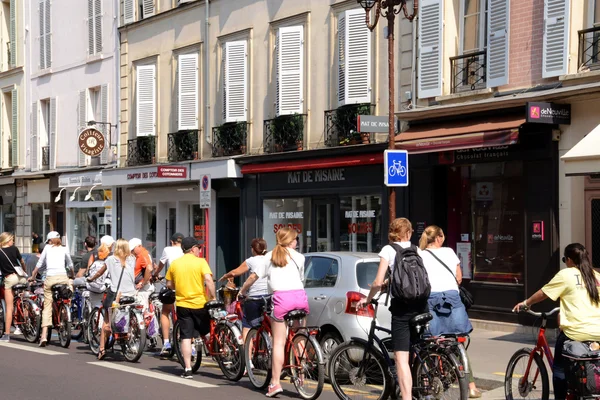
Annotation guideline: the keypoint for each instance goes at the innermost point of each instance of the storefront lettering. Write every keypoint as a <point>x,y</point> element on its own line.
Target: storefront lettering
<point>286,215</point>
<point>296,227</point>
<point>360,227</point>
<point>360,214</point>
<point>142,175</point>
<point>500,238</point>
<point>319,175</point>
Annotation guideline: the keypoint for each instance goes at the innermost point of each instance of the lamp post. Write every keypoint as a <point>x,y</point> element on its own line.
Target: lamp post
<point>388,9</point>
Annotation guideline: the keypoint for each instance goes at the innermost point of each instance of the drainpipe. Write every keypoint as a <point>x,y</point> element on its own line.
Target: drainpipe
<point>117,83</point>
<point>206,74</point>
<point>413,83</point>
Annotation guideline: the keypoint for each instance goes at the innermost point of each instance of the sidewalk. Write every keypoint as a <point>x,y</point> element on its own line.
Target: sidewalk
<point>490,351</point>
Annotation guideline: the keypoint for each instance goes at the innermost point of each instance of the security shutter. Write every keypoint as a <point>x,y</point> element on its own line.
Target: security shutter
<point>94,26</point>
<point>146,95</point>
<point>35,142</point>
<point>81,124</point>
<point>103,127</point>
<point>14,129</point>
<point>128,11</point>
<point>13,33</point>
<point>235,81</point>
<point>147,8</point>
<point>430,27</point>
<point>290,66</point>
<point>497,53</point>
<point>187,104</point>
<point>52,134</point>
<point>354,58</point>
<point>556,38</point>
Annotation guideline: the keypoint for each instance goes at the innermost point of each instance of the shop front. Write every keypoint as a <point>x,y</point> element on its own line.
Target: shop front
<point>8,207</point>
<point>38,199</point>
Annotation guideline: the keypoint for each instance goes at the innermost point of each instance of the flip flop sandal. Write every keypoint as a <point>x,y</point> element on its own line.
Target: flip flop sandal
<point>101,354</point>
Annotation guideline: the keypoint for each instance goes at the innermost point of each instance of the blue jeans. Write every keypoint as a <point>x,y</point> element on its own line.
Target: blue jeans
<point>449,314</point>
<point>559,377</point>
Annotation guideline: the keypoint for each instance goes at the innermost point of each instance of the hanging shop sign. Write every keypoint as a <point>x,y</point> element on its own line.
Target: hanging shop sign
<point>549,113</point>
<point>91,142</point>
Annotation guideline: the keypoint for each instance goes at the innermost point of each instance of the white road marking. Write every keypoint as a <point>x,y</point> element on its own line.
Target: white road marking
<point>32,349</point>
<point>169,378</point>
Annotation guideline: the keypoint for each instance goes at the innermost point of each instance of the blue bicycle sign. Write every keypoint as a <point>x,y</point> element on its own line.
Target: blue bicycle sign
<point>396,167</point>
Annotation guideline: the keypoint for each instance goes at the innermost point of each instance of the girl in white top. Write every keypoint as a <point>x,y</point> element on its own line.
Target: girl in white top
<point>284,268</point>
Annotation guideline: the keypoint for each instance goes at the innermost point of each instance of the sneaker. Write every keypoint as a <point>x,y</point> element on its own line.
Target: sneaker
<point>274,390</point>
<point>166,350</point>
<point>17,331</point>
<point>187,374</point>
<point>5,338</point>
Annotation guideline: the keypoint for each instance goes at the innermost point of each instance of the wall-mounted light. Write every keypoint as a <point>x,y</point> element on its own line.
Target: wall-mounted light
<point>72,198</point>
<point>57,198</point>
<point>89,195</point>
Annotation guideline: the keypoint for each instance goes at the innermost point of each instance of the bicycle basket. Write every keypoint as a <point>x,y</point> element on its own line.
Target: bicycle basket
<point>62,292</point>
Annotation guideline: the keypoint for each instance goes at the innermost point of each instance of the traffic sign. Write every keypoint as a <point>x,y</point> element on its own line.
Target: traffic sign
<point>395,163</point>
<point>205,191</point>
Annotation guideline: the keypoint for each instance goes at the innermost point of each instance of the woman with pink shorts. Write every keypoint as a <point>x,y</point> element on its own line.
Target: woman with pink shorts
<point>284,268</point>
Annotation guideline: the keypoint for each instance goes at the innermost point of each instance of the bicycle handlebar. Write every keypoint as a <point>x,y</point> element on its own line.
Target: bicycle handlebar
<point>540,314</point>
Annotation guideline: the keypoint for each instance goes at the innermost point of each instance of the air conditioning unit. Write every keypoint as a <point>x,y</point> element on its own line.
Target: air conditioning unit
<point>180,2</point>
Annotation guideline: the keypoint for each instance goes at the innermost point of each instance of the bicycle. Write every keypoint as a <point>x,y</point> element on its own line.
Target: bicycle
<point>26,314</point>
<point>397,168</point>
<point>224,343</point>
<point>306,364</point>
<point>366,367</point>
<point>80,311</point>
<point>61,314</point>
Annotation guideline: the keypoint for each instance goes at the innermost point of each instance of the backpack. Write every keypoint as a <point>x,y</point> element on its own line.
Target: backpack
<point>409,280</point>
<point>97,286</point>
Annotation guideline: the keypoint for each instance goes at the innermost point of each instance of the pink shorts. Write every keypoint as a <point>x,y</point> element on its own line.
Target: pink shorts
<point>285,301</point>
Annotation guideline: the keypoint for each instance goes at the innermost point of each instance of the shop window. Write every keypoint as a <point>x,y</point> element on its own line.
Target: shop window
<point>40,221</point>
<point>149,229</point>
<point>320,272</point>
<point>8,217</point>
<point>198,221</point>
<point>87,222</point>
<point>360,223</point>
<point>293,213</point>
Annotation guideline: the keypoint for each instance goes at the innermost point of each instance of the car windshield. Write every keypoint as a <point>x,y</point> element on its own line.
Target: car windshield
<point>365,273</point>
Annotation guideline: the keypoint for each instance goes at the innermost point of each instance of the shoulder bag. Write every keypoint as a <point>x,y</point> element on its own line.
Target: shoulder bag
<point>18,269</point>
<point>465,296</point>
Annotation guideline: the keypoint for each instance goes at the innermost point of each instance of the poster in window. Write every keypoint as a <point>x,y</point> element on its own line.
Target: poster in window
<point>463,251</point>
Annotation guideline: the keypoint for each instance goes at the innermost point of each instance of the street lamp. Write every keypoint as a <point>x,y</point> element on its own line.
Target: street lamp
<point>388,9</point>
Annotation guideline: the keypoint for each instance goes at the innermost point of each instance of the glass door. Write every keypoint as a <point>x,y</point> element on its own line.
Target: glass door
<point>592,228</point>
<point>325,236</point>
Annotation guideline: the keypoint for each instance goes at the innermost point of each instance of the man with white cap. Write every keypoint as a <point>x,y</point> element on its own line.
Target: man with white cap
<point>143,270</point>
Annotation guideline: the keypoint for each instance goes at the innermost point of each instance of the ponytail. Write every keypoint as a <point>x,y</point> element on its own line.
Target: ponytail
<point>285,236</point>
<point>580,256</point>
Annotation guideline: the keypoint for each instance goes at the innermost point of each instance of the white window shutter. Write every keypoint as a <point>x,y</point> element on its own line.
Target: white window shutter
<point>235,80</point>
<point>103,127</point>
<point>357,59</point>
<point>52,134</point>
<point>128,11</point>
<point>13,33</point>
<point>42,37</point>
<point>290,68</point>
<point>35,142</point>
<point>497,51</point>
<point>147,8</point>
<point>146,100</point>
<point>14,128</point>
<point>48,34</point>
<point>556,38</point>
<point>430,27</point>
<point>91,30</point>
<point>224,80</point>
<point>341,58</point>
<point>81,122</point>
<point>98,26</point>
<point>187,90</point>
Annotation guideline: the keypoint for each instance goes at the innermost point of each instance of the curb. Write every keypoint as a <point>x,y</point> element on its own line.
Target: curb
<point>505,327</point>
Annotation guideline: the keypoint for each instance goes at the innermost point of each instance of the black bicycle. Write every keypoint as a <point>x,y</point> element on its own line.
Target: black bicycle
<point>363,369</point>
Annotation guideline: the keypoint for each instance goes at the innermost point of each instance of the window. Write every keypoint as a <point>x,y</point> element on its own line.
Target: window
<point>187,91</point>
<point>145,100</point>
<point>43,133</point>
<point>320,272</point>
<point>235,81</point>
<point>290,70</point>
<point>149,229</point>
<point>9,142</point>
<point>293,213</point>
<point>95,108</point>
<point>354,58</point>
<point>45,37</point>
<point>94,27</point>
<point>146,8</point>
<point>360,219</point>
<point>365,273</point>
<point>9,10</point>
<point>473,26</point>
<point>595,13</point>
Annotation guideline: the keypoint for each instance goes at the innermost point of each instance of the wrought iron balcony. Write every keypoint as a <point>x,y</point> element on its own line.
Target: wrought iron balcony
<point>589,49</point>
<point>284,133</point>
<point>468,72</point>
<point>45,157</point>
<point>230,139</point>
<point>141,151</point>
<point>183,145</point>
<point>340,125</point>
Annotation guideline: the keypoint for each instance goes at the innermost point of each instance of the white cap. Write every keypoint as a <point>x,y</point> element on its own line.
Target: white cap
<point>52,235</point>
<point>107,240</point>
<point>133,243</point>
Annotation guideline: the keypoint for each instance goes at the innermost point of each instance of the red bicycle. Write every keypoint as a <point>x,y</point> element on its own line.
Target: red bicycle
<point>26,314</point>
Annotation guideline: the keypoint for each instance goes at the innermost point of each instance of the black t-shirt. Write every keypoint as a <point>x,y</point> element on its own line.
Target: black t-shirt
<point>6,266</point>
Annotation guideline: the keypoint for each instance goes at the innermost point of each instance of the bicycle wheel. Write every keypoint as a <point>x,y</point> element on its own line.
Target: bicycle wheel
<point>307,366</point>
<point>1,316</point>
<point>257,356</point>
<point>439,375</point>
<point>87,309</point>
<point>520,382</point>
<point>77,323</point>
<point>64,326</point>
<point>136,342</point>
<point>230,352</point>
<point>32,325</point>
<point>358,373</point>
<point>196,359</point>
<point>94,325</point>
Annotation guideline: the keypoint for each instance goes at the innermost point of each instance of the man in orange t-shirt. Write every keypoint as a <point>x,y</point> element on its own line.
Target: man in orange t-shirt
<point>143,270</point>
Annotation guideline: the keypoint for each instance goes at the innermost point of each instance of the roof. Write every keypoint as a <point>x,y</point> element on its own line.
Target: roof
<point>584,157</point>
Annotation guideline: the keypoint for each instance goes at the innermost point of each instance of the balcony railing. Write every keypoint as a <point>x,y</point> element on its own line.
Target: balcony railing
<point>230,139</point>
<point>340,125</point>
<point>183,145</point>
<point>45,157</point>
<point>468,72</point>
<point>589,49</point>
<point>284,133</point>
<point>141,151</point>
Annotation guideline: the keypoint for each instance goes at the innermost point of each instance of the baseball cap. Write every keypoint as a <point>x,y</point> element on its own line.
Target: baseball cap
<point>133,243</point>
<point>188,243</point>
<point>52,235</point>
<point>177,237</point>
<point>107,240</point>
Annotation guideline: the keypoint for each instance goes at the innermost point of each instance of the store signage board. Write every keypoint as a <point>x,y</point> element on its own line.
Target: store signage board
<point>537,231</point>
<point>372,124</point>
<point>205,188</point>
<point>145,175</point>
<point>548,113</point>
<point>395,164</point>
<point>80,180</point>
<point>91,142</point>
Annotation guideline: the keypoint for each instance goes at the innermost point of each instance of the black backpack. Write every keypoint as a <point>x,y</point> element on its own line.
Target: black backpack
<point>409,282</point>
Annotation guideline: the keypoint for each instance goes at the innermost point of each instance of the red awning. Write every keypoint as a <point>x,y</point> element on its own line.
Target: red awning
<point>329,162</point>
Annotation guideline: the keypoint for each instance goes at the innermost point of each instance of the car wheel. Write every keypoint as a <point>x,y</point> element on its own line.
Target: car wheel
<point>329,342</point>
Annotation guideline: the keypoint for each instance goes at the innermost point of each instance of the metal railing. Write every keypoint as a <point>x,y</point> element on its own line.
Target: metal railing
<point>230,139</point>
<point>45,157</point>
<point>340,125</point>
<point>284,133</point>
<point>468,72</point>
<point>141,151</point>
<point>183,145</point>
<point>589,49</point>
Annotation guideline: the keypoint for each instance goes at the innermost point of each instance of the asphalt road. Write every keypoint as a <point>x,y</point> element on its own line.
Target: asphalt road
<point>30,373</point>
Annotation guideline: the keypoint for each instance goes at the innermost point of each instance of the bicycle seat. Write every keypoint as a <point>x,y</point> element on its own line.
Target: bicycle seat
<point>19,286</point>
<point>153,296</point>
<point>294,315</point>
<point>214,304</point>
<point>421,319</point>
<point>81,286</point>
<point>127,300</point>
<point>58,288</point>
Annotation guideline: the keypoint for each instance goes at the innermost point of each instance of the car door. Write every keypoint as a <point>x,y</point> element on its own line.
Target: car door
<point>320,277</point>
